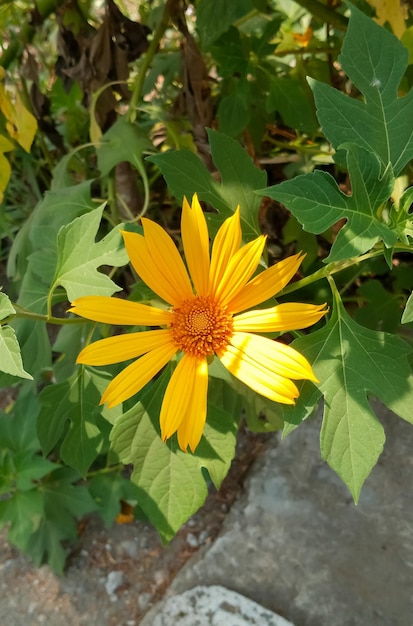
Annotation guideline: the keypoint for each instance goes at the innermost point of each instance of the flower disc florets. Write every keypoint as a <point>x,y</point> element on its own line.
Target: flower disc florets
<point>201,326</point>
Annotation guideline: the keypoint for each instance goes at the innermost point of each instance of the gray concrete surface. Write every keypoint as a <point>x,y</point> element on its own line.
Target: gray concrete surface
<point>295,543</point>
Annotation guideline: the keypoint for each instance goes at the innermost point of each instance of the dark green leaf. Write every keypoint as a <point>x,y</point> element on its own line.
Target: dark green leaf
<point>214,17</point>
<point>317,202</point>
<point>292,99</point>
<point>375,60</point>
<point>234,114</point>
<point>76,400</point>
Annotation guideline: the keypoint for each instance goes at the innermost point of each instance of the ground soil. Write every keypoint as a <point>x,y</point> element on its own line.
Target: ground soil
<point>113,576</point>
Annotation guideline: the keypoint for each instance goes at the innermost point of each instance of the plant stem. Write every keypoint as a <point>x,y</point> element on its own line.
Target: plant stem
<point>21,312</point>
<point>329,270</point>
<point>148,58</point>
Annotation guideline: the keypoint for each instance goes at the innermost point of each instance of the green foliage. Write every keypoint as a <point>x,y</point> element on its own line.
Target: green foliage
<point>239,176</point>
<point>41,499</point>
<point>170,483</point>
<point>79,257</point>
<point>317,203</point>
<point>353,363</point>
<point>375,61</point>
<point>264,79</point>
<point>11,361</point>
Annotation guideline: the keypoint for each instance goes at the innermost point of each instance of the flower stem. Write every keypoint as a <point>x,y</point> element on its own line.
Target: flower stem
<point>21,312</point>
<point>329,270</point>
<point>148,58</point>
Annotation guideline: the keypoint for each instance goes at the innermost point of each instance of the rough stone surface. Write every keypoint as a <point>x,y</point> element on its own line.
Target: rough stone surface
<point>214,606</point>
<point>293,542</point>
<point>296,543</point>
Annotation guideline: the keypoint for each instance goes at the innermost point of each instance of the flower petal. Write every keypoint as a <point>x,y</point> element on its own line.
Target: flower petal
<point>288,316</point>
<point>258,378</point>
<point>151,270</point>
<point>137,375</point>
<point>195,240</point>
<point>192,425</point>
<point>123,347</point>
<point>116,311</point>
<point>226,243</point>
<point>265,285</point>
<point>239,270</point>
<point>167,258</point>
<point>176,398</point>
<point>273,355</point>
<point>266,366</point>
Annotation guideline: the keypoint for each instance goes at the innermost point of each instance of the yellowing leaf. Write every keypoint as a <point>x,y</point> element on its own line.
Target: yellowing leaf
<point>5,169</point>
<point>391,11</point>
<point>21,124</point>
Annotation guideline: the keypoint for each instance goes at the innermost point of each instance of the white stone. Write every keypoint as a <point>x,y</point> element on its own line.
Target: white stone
<point>212,606</point>
<point>113,582</point>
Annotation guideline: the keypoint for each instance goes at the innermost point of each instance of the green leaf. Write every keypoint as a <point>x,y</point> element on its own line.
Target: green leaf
<point>353,362</point>
<point>6,307</point>
<point>10,356</point>
<point>108,490</point>
<point>76,400</point>
<point>232,53</point>
<point>185,175</point>
<point>375,60</point>
<point>35,345</point>
<point>30,468</point>
<point>214,17</point>
<point>18,427</point>
<point>317,203</point>
<point>63,494</point>
<point>24,512</point>
<point>79,257</point>
<point>122,142</point>
<point>240,179</point>
<point>63,501</point>
<point>408,311</point>
<point>170,483</point>
<point>38,235</point>
<point>292,99</point>
<point>234,113</point>
<point>45,544</point>
<point>381,309</point>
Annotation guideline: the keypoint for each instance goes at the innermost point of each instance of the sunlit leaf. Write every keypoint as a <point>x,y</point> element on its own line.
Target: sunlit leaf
<point>21,124</point>
<point>408,311</point>
<point>170,483</point>
<point>353,364</point>
<point>79,257</point>
<point>10,356</point>
<point>390,12</point>
<point>317,203</point>
<point>122,142</point>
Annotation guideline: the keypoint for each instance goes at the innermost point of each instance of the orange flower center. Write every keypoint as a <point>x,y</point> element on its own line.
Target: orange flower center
<point>201,326</point>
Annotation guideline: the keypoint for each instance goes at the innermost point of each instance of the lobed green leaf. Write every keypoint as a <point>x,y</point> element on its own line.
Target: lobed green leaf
<point>170,483</point>
<point>375,60</point>
<point>353,362</point>
<point>317,203</point>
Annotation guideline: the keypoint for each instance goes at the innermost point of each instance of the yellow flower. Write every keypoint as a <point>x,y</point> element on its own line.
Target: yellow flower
<point>203,319</point>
